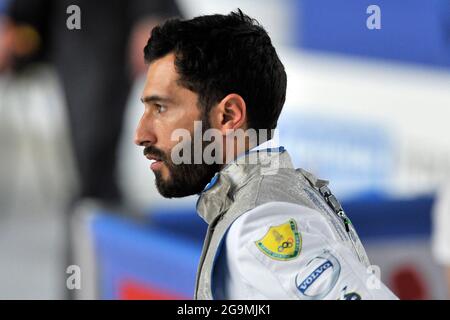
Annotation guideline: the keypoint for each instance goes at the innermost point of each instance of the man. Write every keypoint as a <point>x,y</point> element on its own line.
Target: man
<point>274,232</point>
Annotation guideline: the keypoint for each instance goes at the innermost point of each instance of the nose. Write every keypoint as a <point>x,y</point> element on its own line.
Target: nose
<point>144,135</point>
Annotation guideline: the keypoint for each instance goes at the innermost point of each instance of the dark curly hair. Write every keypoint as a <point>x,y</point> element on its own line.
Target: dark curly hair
<point>216,55</point>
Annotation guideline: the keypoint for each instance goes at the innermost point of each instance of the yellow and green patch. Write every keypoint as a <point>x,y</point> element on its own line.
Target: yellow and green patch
<point>281,242</point>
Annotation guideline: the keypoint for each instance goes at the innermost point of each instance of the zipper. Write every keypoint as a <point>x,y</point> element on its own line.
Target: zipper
<point>335,205</point>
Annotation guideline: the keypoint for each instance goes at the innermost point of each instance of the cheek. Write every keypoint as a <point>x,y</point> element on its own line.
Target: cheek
<point>164,142</point>
<point>180,120</point>
<point>164,129</point>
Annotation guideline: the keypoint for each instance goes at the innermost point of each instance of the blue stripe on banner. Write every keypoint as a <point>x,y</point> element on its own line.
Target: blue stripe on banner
<point>390,219</point>
<point>145,254</point>
<point>415,31</point>
<point>181,221</point>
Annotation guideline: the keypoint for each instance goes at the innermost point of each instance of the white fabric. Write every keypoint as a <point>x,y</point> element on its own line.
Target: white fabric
<point>243,271</point>
<point>269,144</point>
<point>441,227</point>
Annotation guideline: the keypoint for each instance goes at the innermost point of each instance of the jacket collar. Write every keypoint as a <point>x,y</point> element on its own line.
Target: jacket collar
<point>218,194</point>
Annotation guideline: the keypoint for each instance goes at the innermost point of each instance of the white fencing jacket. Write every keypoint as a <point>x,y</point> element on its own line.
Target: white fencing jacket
<point>278,233</point>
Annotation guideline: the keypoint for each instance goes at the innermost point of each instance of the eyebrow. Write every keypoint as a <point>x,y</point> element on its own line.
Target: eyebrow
<point>155,98</point>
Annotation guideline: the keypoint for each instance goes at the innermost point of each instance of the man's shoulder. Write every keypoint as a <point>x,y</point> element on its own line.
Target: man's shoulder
<point>282,185</point>
<point>287,246</point>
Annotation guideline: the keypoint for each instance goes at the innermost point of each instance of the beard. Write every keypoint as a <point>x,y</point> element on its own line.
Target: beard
<point>184,179</point>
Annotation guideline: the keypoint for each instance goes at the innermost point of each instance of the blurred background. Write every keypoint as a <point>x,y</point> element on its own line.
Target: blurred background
<point>367,109</point>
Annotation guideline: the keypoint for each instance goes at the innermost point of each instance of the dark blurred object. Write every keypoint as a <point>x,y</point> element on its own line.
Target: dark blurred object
<point>95,64</point>
<point>24,35</point>
<point>409,284</point>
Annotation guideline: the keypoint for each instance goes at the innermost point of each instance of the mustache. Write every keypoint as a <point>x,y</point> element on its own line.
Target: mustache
<point>153,151</point>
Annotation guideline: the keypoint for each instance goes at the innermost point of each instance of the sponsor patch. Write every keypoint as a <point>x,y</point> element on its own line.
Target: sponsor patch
<point>322,273</point>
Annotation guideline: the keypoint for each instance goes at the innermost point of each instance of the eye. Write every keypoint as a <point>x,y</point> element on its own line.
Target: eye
<point>160,108</point>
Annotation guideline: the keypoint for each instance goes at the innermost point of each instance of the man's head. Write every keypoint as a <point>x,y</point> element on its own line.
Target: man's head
<point>218,69</point>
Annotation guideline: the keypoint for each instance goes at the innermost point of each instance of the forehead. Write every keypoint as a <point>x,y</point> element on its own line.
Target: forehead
<point>161,77</point>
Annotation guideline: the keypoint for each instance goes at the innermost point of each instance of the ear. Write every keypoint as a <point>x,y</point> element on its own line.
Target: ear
<point>229,114</point>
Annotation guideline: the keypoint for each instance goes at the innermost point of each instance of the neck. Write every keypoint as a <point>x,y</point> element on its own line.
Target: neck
<point>235,147</point>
